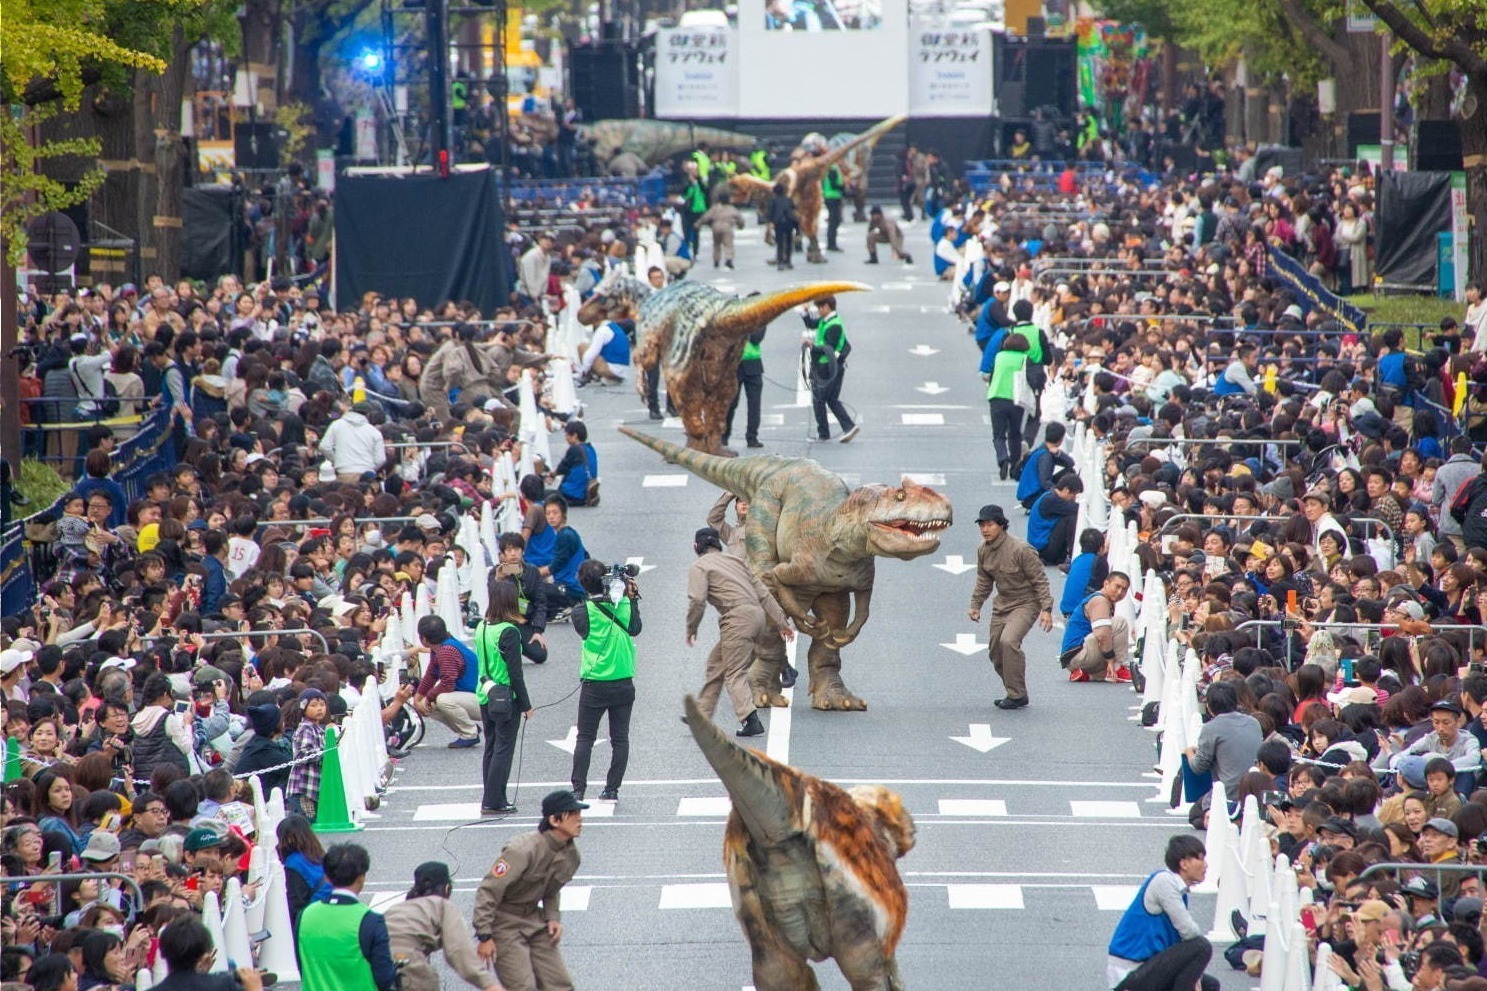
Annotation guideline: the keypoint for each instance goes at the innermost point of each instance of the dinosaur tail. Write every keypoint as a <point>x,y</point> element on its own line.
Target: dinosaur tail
<point>868,137</point>
<point>760,788</point>
<point>741,476</point>
<point>744,316</point>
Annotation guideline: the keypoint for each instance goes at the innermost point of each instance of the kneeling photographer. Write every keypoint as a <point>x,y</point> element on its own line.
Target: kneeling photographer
<point>608,622</point>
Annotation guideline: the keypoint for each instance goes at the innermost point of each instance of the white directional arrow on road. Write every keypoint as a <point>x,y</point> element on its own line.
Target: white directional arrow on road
<point>965,643</point>
<point>639,562</point>
<point>932,388</point>
<point>955,565</point>
<point>923,350</point>
<point>981,738</point>
<point>570,743</point>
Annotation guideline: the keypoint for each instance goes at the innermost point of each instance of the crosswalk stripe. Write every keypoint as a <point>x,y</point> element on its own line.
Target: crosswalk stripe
<point>665,481</point>
<point>576,897</point>
<point>695,896</point>
<point>447,812</point>
<point>993,896</point>
<point>922,419</point>
<point>704,806</point>
<point>1105,810</point>
<point>1114,897</point>
<point>972,807</point>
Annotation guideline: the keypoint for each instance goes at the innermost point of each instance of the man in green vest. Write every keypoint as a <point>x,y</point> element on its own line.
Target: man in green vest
<point>694,205</point>
<point>704,163</point>
<point>343,944</point>
<point>828,368</point>
<point>759,164</point>
<point>832,188</point>
<point>751,385</point>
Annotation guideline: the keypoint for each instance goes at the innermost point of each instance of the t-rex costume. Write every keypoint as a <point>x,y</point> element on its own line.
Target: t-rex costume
<point>855,167</point>
<point>654,141</point>
<point>812,541</point>
<point>697,334</point>
<point>803,181</point>
<point>812,868</point>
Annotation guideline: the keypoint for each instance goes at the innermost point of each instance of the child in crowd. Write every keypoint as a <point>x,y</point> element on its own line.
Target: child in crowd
<point>309,742</point>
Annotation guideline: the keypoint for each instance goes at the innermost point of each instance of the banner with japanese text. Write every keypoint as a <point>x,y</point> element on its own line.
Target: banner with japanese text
<point>950,72</point>
<point>696,72</point>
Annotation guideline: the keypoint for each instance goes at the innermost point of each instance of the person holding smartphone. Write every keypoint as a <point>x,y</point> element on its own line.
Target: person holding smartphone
<point>162,729</point>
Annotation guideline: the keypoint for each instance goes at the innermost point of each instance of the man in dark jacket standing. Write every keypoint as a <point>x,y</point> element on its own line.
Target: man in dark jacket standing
<point>782,219</point>
<point>751,386</point>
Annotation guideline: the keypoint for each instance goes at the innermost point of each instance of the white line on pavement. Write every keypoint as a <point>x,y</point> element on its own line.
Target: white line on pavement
<point>666,782</point>
<point>665,481</point>
<point>924,820</point>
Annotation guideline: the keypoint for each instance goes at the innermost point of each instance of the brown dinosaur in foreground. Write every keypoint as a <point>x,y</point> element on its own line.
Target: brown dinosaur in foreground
<point>697,334</point>
<point>812,868</point>
<point>803,181</point>
<point>812,541</point>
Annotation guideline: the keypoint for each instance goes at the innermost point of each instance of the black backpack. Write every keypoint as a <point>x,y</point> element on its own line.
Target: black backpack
<point>108,405</point>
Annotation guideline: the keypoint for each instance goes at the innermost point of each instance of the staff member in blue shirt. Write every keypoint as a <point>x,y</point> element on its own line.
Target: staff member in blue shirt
<point>1158,945</point>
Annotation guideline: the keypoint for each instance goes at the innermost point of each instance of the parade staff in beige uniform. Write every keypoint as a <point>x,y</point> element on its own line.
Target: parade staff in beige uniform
<point>1012,568</point>
<point>426,922</point>
<point>517,920</point>
<point>743,603</point>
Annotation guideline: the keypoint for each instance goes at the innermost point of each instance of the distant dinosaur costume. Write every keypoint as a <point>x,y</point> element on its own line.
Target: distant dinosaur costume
<point>812,541</point>
<point>697,334</point>
<point>855,167</point>
<point>803,181</point>
<point>654,141</point>
<point>812,868</point>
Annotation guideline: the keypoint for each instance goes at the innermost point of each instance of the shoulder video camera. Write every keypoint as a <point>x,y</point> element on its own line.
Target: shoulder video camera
<point>618,579</point>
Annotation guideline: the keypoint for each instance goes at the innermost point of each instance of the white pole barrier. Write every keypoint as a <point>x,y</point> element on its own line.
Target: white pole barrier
<point>276,953</point>
<point>211,914</point>
<point>257,872</point>
<point>235,926</point>
<point>1298,973</point>
<point>1216,841</point>
<point>408,620</point>
<point>1232,895</point>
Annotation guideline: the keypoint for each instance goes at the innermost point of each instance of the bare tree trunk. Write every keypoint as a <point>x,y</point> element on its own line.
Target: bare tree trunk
<point>1474,157</point>
<point>262,21</point>
<point>157,140</point>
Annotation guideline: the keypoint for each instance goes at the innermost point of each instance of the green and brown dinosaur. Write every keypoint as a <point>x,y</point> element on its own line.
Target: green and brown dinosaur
<point>812,542</point>
<point>812,867</point>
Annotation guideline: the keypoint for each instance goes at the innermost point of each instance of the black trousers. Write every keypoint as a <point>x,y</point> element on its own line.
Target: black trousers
<point>531,649</point>
<point>751,388</point>
<point>1006,431</point>
<point>833,222</point>
<point>1177,968</point>
<point>827,397</point>
<point>617,698</point>
<point>1034,420</point>
<point>1060,541</point>
<point>653,391</point>
<point>784,243</point>
<point>500,745</point>
<point>906,201</point>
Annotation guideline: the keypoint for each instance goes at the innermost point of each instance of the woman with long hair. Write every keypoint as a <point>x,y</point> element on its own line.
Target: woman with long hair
<point>426,922</point>
<point>304,872</point>
<point>58,804</point>
<point>501,693</point>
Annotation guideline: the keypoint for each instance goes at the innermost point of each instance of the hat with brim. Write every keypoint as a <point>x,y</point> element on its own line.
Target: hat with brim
<point>992,513</point>
<point>559,802</point>
<point>102,845</point>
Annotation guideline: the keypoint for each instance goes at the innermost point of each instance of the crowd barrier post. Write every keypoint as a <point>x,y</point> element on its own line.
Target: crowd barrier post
<point>1216,840</point>
<point>333,812</point>
<point>235,926</point>
<point>276,953</point>
<point>211,914</point>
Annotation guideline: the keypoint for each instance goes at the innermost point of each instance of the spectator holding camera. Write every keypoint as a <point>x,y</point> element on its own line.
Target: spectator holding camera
<point>608,622</point>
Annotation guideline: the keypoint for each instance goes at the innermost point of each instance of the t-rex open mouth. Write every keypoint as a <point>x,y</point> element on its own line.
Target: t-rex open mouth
<point>913,528</point>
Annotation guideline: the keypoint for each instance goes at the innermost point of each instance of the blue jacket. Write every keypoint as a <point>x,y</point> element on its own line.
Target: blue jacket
<point>993,345</point>
<point>1045,516</point>
<point>215,585</point>
<point>1076,584</point>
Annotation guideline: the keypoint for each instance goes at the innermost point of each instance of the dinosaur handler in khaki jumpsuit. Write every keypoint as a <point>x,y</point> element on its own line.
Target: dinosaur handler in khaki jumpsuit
<point>517,905</point>
<point>1014,570</point>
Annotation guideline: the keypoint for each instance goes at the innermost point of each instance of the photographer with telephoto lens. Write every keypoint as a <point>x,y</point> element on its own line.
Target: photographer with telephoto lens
<point>608,622</point>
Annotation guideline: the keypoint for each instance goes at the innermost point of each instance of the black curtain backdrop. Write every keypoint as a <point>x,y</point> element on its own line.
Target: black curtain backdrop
<point>1413,208</point>
<point>422,236</point>
<point>207,216</point>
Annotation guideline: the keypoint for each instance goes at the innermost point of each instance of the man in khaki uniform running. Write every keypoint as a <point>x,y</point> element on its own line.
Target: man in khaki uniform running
<point>743,605</point>
<point>517,921</point>
<point>1013,569</point>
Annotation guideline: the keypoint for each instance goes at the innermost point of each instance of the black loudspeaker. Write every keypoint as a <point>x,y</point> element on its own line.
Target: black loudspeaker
<point>1035,72</point>
<point>256,145</point>
<point>1437,146</point>
<point>1037,27</point>
<point>1363,129</point>
<point>604,80</point>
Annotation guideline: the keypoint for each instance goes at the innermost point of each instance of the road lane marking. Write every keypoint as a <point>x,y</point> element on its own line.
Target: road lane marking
<point>972,807</point>
<point>695,896</point>
<point>988,896</point>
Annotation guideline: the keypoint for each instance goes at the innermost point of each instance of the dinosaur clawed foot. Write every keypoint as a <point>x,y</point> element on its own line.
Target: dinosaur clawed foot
<point>838,700</point>
<point>766,699</point>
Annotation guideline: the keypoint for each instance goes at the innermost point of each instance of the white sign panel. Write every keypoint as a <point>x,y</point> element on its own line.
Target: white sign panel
<point>696,72</point>
<point>949,71</point>
<point>1459,233</point>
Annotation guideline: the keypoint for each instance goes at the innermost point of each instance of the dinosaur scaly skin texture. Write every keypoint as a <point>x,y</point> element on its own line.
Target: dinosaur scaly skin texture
<point>697,334</point>
<point>803,180</point>
<point>654,141</point>
<point>812,542</point>
<point>812,868</point>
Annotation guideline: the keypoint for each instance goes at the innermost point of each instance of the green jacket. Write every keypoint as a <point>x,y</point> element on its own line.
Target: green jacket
<point>832,184</point>
<point>1004,372</point>
<point>704,164</point>
<point>759,164</point>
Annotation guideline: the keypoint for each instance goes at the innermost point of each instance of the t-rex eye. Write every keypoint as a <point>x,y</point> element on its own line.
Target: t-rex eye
<point>900,495</point>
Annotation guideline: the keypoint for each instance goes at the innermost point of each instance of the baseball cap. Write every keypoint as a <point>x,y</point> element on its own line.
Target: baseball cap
<point>1420,887</point>
<point>1442,825</point>
<point>559,802</point>
<point>1338,825</point>
<point>122,663</point>
<point>1001,287</point>
<point>1447,705</point>
<point>992,513</point>
<point>1410,608</point>
<point>1372,910</point>
<point>202,838</point>
<point>102,845</point>
<point>12,659</point>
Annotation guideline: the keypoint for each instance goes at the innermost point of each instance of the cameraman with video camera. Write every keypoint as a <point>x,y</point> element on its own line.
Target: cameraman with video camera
<point>608,622</point>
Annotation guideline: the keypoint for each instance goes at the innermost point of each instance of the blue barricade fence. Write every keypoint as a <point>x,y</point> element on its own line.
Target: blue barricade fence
<point>146,453</point>
<point>647,190</point>
<point>1312,295</point>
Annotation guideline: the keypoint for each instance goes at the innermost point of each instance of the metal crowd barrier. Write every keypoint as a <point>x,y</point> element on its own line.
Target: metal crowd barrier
<point>324,644</point>
<point>1276,519</point>
<point>134,906</point>
<point>1260,624</point>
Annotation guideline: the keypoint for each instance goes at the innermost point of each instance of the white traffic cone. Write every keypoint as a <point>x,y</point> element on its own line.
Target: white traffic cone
<point>1323,977</point>
<point>277,814</point>
<point>423,605</point>
<point>408,620</point>
<point>211,915</point>
<point>1259,869</point>
<point>1232,896</point>
<point>1298,970</point>
<point>276,953</point>
<point>1217,841</point>
<point>235,926</point>
<point>257,873</point>
<point>1273,961</point>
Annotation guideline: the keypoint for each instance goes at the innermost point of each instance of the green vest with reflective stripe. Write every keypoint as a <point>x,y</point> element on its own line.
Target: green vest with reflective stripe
<point>330,957</point>
<point>727,169</point>
<point>492,664</point>
<point>608,651</point>
<point>752,352</point>
<point>827,322</point>
<point>694,197</point>
<point>759,164</point>
<point>459,94</point>
<point>832,184</point>
<point>1029,333</point>
<point>704,164</point>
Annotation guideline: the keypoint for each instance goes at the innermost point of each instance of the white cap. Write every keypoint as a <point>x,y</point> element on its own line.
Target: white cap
<point>12,659</point>
<point>491,405</point>
<point>327,471</point>
<point>255,457</point>
<point>1002,287</point>
<point>122,663</point>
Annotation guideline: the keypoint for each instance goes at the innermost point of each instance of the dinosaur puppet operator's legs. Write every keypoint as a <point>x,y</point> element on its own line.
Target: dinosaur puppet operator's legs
<point>827,689</point>
<point>769,666</point>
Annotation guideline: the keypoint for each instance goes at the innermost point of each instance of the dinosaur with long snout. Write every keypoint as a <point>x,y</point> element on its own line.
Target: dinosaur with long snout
<point>812,541</point>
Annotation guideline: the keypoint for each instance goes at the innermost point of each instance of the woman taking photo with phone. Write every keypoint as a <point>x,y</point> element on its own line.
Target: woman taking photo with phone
<point>501,693</point>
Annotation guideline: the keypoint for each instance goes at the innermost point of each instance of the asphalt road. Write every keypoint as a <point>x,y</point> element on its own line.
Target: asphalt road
<point>1033,830</point>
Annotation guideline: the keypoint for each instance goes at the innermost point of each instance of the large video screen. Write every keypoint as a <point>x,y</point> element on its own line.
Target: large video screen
<point>822,15</point>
